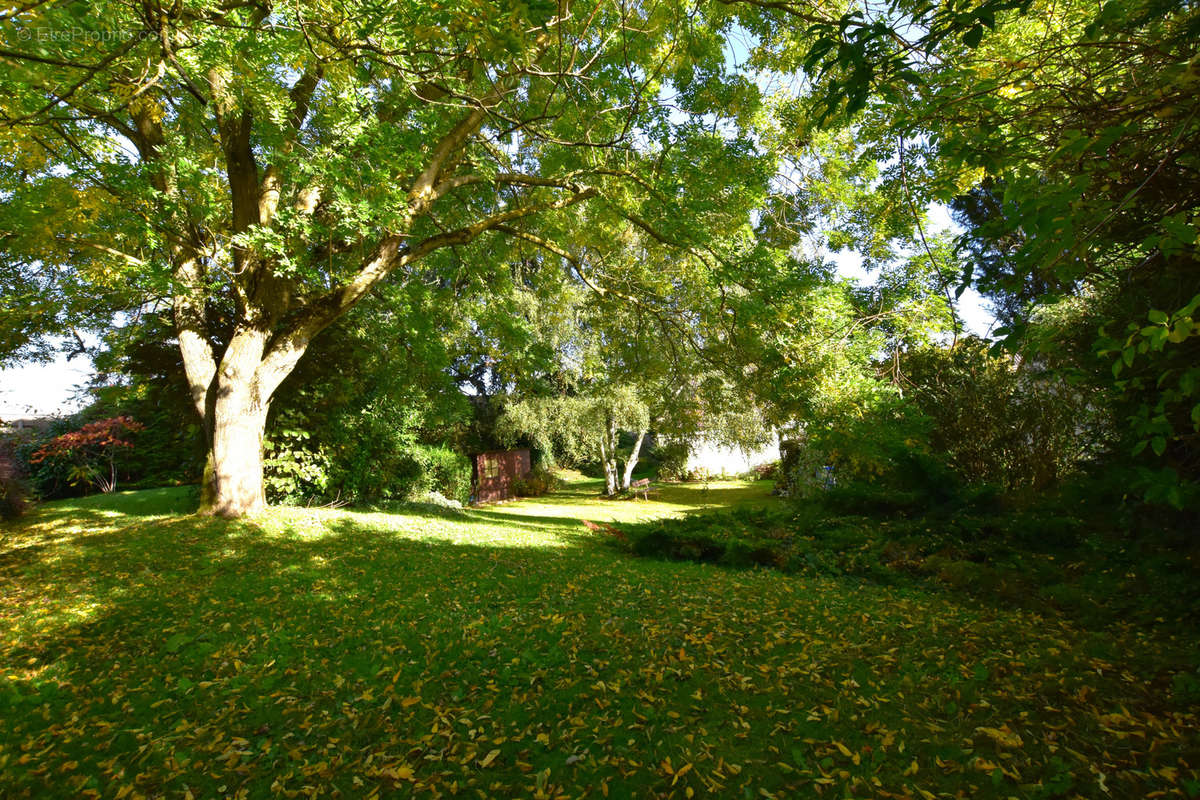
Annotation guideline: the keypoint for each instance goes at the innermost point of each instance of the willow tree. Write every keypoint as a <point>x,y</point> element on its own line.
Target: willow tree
<point>259,167</point>
<point>652,351</point>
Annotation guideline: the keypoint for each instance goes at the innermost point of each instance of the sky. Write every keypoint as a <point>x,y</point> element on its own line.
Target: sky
<point>40,390</point>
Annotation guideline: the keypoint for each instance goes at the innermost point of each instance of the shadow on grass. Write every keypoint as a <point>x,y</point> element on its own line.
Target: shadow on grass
<point>195,621</point>
<point>314,648</point>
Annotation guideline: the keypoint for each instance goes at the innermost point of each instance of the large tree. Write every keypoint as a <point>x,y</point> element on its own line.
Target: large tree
<point>261,167</point>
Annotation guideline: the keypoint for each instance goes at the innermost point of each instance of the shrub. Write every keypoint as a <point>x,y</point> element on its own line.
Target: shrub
<point>535,483</point>
<point>405,471</point>
<point>294,470</point>
<point>90,453</point>
<point>1000,418</point>
<point>672,461</point>
<point>446,471</point>
<point>870,499</point>
<point>767,471</point>
<point>13,491</point>
<point>370,458</point>
<point>170,450</point>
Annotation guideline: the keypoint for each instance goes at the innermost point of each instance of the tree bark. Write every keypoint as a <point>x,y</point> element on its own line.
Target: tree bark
<point>237,399</point>
<point>237,458</point>
<point>608,455</point>
<point>631,462</point>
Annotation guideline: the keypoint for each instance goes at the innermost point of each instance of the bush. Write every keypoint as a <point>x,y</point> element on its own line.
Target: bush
<point>403,470</point>
<point>169,451</point>
<point>294,470</point>
<point>870,499</point>
<point>535,483</point>
<point>446,471</point>
<point>13,491</point>
<point>762,472</point>
<point>882,535</point>
<point>370,458</point>
<point>1000,418</point>
<point>672,461</point>
<point>90,455</point>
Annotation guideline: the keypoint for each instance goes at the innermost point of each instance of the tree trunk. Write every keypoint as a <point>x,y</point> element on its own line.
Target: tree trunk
<point>631,462</point>
<point>610,476</point>
<point>233,398</point>
<point>237,456</point>
<point>238,404</point>
<point>608,455</point>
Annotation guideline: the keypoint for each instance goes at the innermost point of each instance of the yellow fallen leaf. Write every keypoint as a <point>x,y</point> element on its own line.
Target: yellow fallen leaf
<point>489,758</point>
<point>842,749</point>
<point>912,768</point>
<point>1003,737</point>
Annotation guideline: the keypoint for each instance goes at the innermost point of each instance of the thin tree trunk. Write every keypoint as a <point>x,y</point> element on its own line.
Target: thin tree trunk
<point>608,455</point>
<point>632,461</point>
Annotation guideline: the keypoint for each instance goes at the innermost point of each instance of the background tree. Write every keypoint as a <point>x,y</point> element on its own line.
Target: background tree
<point>1064,135</point>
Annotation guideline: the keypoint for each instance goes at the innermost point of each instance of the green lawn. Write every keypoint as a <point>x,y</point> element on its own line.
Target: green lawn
<point>509,652</point>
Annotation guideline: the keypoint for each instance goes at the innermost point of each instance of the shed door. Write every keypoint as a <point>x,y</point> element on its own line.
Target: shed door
<point>491,479</point>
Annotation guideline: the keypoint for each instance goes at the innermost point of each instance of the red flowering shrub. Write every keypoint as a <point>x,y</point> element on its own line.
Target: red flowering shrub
<point>91,451</point>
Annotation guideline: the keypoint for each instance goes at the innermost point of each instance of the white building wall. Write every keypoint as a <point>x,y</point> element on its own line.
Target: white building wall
<point>719,459</point>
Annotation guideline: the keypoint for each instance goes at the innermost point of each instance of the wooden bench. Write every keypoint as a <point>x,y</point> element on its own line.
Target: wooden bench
<point>642,486</point>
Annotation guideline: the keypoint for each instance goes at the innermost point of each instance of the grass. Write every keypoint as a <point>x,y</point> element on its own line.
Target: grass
<point>506,652</point>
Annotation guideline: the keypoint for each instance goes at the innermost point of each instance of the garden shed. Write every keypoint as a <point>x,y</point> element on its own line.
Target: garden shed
<point>495,472</point>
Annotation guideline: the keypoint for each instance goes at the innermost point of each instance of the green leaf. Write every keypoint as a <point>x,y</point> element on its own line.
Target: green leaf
<point>1157,317</point>
<point>176,642</point>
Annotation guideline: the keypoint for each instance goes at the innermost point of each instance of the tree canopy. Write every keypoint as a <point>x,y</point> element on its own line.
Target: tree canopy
<point>262,168</point>
<point>560,201</point>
